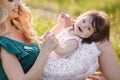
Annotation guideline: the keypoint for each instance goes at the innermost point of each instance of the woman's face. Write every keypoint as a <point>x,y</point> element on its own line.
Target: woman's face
<point>12,7</point>
<point>83,27</point>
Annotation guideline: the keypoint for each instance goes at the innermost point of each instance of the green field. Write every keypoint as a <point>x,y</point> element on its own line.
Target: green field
<point>45,13</point>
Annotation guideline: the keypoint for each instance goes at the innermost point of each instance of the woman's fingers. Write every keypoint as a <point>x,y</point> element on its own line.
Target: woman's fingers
<point>96,76</point>
<point>50,42</point>
<point>43,37</point>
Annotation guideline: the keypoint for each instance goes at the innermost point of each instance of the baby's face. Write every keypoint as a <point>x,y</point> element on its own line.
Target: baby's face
<point>83,27</point>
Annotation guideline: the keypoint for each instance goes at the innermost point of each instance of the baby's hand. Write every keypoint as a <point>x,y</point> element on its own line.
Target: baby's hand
<point>61,19</point>
<point>68,21</point>
<point>64,20</point>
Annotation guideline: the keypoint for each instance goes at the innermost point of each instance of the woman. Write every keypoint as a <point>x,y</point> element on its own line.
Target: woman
<point>19,51</point>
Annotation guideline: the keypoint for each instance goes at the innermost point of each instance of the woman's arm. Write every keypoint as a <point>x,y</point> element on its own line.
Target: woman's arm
<point>108,61</point>
<point>14,70</point>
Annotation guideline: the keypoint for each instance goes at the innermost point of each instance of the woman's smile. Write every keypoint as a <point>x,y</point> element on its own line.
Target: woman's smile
<point>15,10</point>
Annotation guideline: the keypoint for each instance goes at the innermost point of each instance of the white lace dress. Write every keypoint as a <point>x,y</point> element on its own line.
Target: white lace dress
<point>78,65</point>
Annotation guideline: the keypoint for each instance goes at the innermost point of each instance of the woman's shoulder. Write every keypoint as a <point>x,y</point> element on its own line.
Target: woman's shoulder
<point>3,39</point>
<point>8,44</point>
<point>19,48</point>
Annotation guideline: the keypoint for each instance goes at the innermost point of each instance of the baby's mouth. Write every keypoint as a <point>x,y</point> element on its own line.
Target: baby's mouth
<point>79,29</point>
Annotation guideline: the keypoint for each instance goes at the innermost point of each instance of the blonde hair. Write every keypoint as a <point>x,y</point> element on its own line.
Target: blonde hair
<point>23,22</point>
<point>3,17</point>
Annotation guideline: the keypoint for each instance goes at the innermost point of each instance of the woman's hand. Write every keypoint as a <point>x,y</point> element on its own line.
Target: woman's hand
<point>43,37</point>
<point>96,76</point>
<point>50,42</point>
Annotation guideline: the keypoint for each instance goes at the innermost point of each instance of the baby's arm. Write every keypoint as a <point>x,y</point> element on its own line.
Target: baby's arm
<point>67,48</point>
<point>58,27</point>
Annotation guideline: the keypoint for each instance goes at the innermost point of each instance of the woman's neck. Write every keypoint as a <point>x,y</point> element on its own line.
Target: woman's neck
<point>10,28</point>
<point>8,23</point>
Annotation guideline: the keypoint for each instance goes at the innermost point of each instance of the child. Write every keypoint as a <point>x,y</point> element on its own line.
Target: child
<point>72,60</point>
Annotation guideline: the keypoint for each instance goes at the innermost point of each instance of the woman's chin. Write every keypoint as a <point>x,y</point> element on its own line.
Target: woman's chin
<point>15,16</point>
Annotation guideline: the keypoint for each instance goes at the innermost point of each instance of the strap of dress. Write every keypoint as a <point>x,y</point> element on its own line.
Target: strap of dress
<point>0,49</point>
<point>12,47</point>
<point>8,46</point>
<point>0,54</point>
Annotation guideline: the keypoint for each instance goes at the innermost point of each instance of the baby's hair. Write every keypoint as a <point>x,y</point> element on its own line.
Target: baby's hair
<point>100,21</point>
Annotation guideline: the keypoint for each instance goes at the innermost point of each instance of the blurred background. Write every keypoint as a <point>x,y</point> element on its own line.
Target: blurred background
<point>45,13</point>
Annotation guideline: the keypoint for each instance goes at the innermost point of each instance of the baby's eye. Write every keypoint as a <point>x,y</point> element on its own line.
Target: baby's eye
<point>10,0</point>
<point>89,29</point>
<point>83,21</point>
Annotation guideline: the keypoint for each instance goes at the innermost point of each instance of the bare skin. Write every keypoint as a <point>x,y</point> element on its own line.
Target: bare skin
<point>108,61</point>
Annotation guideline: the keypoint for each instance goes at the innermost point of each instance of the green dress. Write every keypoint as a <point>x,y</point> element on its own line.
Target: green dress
<point>26,53</point>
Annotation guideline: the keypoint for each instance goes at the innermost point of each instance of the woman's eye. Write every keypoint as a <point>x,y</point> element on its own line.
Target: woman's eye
<point>10,0</point>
